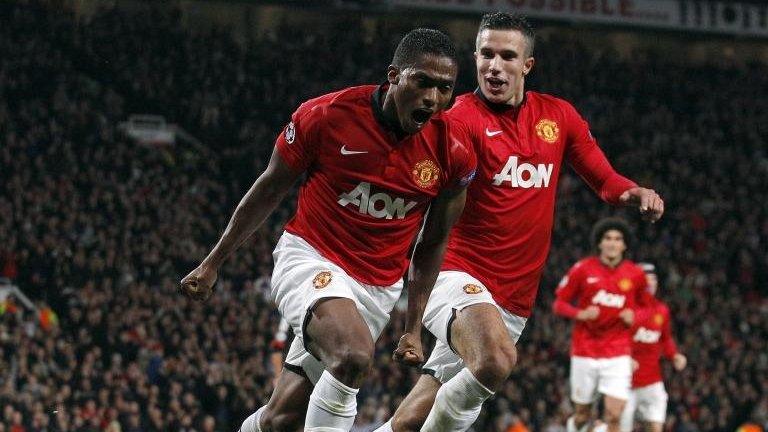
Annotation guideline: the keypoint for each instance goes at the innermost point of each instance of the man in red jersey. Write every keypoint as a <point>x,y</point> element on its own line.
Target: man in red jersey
<point>651,339</point>
<point>607,289</point>
<point>497,250</point>
<point>375,158</point>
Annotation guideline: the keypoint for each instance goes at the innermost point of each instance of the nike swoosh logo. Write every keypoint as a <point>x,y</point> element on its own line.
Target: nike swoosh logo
<point>346,152</point>
<point>592,279</point>
<point>492,134</point>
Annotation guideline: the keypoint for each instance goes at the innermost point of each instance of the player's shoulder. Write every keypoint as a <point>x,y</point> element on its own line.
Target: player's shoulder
<point>466,102</point>
<point>347,97</point>
<point>632,267</point>
<point>467,108</point>
<point>586,263</point>
<point>550,103</point>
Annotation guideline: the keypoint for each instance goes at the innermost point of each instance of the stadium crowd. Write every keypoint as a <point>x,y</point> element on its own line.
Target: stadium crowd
<point>100,229</point>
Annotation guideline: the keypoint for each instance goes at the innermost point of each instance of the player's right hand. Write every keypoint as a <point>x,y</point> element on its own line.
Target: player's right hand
<point>589,313</point>
<point>627,316</point>
<point>679,361</point>
<point>198,284</point>
<point>409,351</point>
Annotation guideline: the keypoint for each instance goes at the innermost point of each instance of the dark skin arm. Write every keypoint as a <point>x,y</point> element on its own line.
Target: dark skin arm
<point>425,265</point>
<point>260,200</point>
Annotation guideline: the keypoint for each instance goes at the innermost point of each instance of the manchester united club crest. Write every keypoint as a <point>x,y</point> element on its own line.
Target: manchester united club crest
<point>625,284</point>
<point>426,173</point>
<point>322,280</point>
<point>658,319</point>
<point>547,130</point>
<point>473,289</point>
<point>290,133</point>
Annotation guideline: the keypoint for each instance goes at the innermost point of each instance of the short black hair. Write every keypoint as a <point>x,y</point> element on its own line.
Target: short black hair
<point>507,21</point>
<point>604,225</point>
<point>420,41</point>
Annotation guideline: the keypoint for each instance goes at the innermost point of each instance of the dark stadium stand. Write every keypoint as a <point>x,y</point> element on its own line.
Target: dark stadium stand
<point>101,229</point>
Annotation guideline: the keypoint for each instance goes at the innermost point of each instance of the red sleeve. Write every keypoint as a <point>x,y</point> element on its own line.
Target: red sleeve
<point>297,143</point>
<point>590,162</point>
<point>567,291</point>
<point>668,345</point>
<point>463,157</point>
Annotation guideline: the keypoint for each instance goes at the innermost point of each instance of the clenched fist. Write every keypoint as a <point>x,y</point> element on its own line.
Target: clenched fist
<point>199,283</point>
<point>409,351</point>
<point>627,316</point>
<point>589,313</point>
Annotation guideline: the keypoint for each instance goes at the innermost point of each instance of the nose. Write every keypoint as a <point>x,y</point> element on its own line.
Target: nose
<point>495,66</point>
<point>430,97</point>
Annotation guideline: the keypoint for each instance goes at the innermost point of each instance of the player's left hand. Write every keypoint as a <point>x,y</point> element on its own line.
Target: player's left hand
<point>409,351</point>
<point>679,361</point>
<point>628,316</point>
<point>647,200</point>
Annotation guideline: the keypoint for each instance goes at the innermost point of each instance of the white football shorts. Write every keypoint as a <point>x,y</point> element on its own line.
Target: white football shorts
<point>592,376</point>
<point>454,291</point>
<point>648,404</point>
<point>301,277</point>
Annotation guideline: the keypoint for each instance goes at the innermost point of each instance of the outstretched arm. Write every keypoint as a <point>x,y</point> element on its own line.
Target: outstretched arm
<point>260,200</point>
<point>590,163</point>
<point>428,254</point>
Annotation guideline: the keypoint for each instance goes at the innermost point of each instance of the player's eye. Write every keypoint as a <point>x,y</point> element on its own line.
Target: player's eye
<point>486,54</point>
<point>509,56</point>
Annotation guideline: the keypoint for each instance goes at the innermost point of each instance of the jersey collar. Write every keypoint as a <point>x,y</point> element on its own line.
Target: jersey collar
<point>500,107</point>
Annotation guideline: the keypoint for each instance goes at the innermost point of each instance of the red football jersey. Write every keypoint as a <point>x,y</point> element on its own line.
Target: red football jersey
<point>590,282</point>
<point>652,338</point>
<point>503,236</point>
<point>366,191</point>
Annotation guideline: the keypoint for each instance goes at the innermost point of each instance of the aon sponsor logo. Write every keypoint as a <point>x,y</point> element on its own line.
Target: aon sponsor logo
<point>378,205</point>
<point>604,298</point>
<point>524,175</point>
<point>645,335</point>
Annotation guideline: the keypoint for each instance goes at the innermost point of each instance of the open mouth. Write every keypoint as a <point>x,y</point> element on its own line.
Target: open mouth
<point>421,115</point>
<point>495,83</point>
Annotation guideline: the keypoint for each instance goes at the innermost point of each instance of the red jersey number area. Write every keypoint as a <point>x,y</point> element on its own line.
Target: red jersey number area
<point>365,192</point>
<point>652,339</point>
<point>590,282</point>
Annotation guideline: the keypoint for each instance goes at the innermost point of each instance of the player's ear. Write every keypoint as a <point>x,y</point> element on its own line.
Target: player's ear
<point>393,74</point>
<point>528,65</point>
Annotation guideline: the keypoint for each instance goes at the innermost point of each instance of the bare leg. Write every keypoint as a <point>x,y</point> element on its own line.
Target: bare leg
<point>410,415</point>
<point>481,339</point>
<point>337,334</point>
<point>612,414</point>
